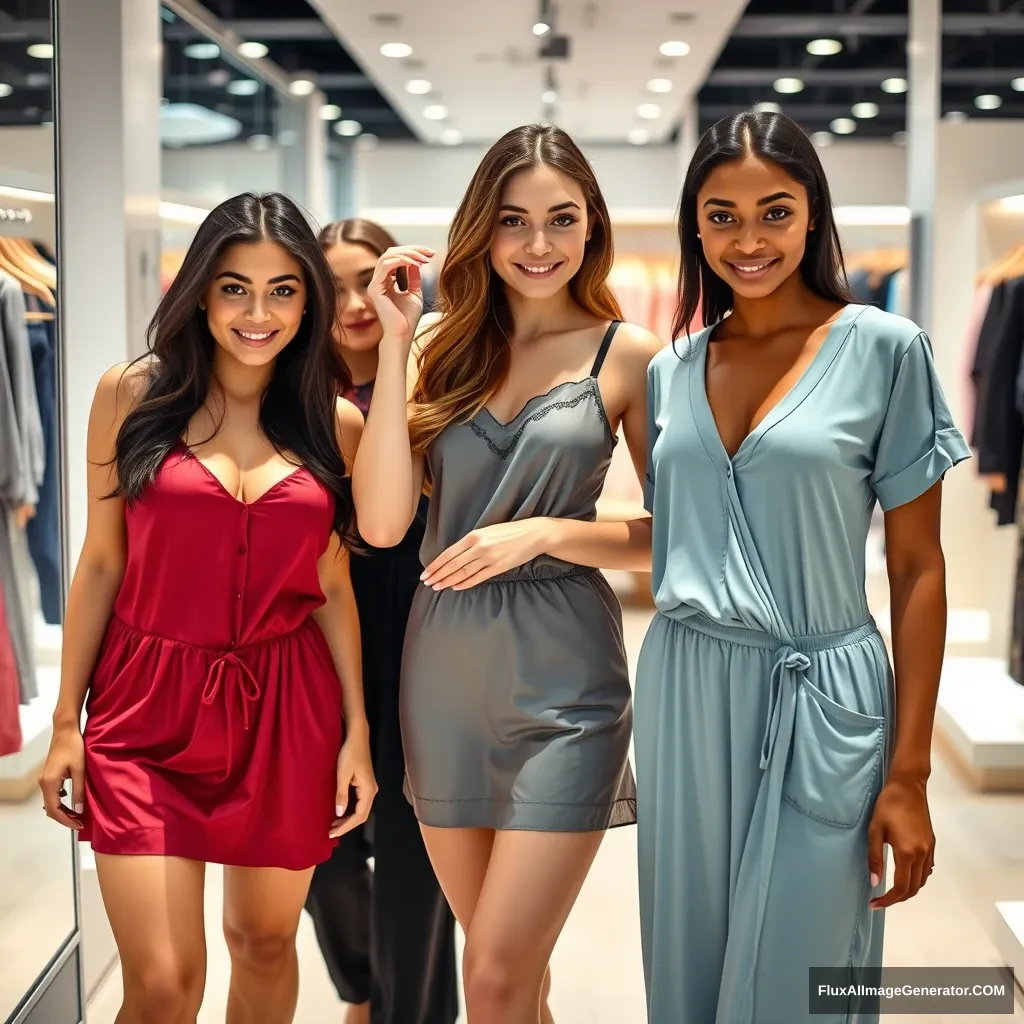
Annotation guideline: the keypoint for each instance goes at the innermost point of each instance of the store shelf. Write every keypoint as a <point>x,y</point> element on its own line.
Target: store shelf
<point>980,722</point>
<point>1009,939</point>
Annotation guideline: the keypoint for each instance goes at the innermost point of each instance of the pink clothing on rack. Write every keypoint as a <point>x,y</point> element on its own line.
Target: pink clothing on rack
<point>10,699</point>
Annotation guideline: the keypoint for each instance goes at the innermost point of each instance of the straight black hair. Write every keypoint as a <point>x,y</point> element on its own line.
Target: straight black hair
<point>780,140</point>
<point>298,408</point>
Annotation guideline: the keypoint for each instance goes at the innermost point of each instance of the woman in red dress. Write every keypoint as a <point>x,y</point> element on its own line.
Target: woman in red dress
<point>212,622</point>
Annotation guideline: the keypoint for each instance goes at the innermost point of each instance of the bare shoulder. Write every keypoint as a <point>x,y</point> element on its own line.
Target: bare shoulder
<point>348,420</point>
<point>634,348</point>
<point>120,389</point>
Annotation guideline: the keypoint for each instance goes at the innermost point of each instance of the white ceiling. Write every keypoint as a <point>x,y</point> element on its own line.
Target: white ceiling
<point>482,59</point>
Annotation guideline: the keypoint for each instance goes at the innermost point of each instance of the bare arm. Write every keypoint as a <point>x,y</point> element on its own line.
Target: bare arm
<point>387,479</point>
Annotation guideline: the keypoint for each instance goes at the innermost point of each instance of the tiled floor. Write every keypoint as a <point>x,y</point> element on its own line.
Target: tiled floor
<point>597,976</point>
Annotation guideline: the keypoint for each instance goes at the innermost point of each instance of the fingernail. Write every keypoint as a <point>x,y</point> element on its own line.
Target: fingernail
<point>340,811</point>
<point>874,879</point>
<point>79,808</point>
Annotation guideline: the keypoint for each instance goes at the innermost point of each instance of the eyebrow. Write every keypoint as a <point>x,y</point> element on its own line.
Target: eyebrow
<point>773,198</point>
<point>245,280</point>
<point>554,209</point>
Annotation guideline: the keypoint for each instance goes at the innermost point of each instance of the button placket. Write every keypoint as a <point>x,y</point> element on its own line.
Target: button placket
<point>243,549</point>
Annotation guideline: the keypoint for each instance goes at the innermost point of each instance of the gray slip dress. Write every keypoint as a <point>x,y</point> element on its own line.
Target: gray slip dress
<point>516,705</point>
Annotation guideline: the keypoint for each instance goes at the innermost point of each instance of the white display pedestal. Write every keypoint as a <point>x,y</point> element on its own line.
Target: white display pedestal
<point>1009,939</point>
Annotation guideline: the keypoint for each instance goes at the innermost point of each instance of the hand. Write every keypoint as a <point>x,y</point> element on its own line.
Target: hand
<point>65,760</point>
<point>399,309</point>
<point>488,552</point>
<point>901,820</point>
<point>23,515</point>
<point>355,772</point>
<point>996,482</point>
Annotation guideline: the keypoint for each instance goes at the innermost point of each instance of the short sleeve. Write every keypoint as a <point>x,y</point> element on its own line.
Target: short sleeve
<point>919,442</point>
<point>652,436</point>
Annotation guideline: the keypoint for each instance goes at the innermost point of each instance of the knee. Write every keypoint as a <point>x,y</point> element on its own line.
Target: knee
<point>259,949</point>
<point>162,992</point>
<point>491,981</point>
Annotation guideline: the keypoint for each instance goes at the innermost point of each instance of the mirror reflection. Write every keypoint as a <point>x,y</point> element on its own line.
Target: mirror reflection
<point>37,904</point>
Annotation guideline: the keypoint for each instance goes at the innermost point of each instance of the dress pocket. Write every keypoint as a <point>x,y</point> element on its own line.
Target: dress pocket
<point>836,761</point>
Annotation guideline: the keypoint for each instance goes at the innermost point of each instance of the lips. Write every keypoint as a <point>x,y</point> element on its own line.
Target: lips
<point>538,271</point>
<point>752,270</point>
<point>360,325</point>
<point>255,339</point>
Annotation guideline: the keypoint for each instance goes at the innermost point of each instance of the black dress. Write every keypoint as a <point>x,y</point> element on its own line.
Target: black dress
<point>387,934</point>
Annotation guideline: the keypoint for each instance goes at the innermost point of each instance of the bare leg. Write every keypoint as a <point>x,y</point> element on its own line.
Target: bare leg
<point>533,880</point>
<point>155,909</point>
<point>261,916</point>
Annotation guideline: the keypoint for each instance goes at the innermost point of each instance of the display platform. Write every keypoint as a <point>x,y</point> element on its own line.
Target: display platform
<point>979,723</point>
<point>1010,940</point>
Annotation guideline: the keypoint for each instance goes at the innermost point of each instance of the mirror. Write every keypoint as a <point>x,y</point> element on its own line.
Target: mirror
<point>37,887</point>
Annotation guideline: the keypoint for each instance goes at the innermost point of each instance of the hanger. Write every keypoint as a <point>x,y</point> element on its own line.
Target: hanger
<point>14,263</point>
<point>1009,265</point>
<point>45,271</point>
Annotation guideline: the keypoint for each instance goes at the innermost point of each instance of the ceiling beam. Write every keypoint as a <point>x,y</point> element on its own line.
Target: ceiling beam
<point>810,111</point>
<point>758,77</point>
<point>788,26</point>
<point>263,30</point>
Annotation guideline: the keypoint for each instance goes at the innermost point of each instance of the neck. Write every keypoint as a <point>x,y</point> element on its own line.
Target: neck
<point>362,365</point>
<point>238,383</point>
<point>791,305</point>
<point>534,317</point>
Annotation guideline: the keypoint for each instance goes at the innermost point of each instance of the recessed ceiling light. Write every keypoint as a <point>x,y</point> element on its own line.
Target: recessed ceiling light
<point>5,89</point>
<point>767,107</point>
<point>843,125</point>
<point>348,128</point>
<point>956,117</point>
<point>788,86</point>
<point>418,87</point>
<point>894,86</point>
<point>648,111</point>
<point>396,50</point>
<point>368,141</point>
<point>549,96</point>
<point>899,138</point>
<point>639,136</point>
<point>824,47</point>
<point>435,112</point>
<point>218,78</point>
<point>1017,85</point>
<point>451,136</point>
<point>989,101</point>
<point>41,51</point>
<point>542,28</point>
<point>674,48</point>
<point>330,112</point>
<point>822,139</point>
<point>202,51</point>
<point>254,51</point>
<point>659,85</point>
<point>260,142</point>
<point>244,87</point>
<point>865,110</point>
<point>302,87</point>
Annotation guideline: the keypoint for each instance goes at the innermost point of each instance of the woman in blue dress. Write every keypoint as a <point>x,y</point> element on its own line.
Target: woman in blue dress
<point>771,772</point>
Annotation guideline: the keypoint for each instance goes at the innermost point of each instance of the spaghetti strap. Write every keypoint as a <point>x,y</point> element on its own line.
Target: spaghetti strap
<point>603,350</point>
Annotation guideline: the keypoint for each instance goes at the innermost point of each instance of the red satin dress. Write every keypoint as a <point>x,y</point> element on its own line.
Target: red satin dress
<point>215,712</point>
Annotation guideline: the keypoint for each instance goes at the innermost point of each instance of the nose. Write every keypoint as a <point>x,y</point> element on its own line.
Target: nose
<point>354,301</point>
<point>749,242</point>
<point>538,245</point>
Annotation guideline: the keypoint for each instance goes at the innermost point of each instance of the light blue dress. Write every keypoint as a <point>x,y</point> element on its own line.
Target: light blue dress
<point>764,694</point>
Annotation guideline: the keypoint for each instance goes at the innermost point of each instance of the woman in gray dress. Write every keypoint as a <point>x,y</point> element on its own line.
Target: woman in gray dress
<point>516,705</point>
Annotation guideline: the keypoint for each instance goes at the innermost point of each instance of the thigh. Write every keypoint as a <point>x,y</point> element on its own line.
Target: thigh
<point>155,909</point>
<point>533,880</point>
<point>460,857</point>
<point>264,903</point>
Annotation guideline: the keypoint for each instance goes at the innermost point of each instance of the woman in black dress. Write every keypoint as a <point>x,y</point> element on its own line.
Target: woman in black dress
<point>387,935</point>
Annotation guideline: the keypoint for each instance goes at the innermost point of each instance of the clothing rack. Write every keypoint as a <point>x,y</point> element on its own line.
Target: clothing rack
<point>878,277</point>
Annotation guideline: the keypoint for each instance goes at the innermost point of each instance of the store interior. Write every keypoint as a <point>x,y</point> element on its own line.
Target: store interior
<point>123,124</point>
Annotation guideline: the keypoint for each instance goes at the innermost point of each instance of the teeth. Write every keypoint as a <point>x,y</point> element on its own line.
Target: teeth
<point>538,270</point>
<point>752,268</point>
<point>255,337</point>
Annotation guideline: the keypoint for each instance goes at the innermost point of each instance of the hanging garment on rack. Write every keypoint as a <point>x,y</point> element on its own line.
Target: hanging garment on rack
<point>43,529</point>
<point>10,696</point>
<point>18,626</point>
<point>870,288</point>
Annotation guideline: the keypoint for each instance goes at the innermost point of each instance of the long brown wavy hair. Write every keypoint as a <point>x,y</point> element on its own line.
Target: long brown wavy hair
<point>466,358</point>
<point>357,231</point>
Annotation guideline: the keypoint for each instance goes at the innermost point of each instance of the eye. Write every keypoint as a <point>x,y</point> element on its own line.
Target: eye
<point>506,222</point>
<point>564,220</point>
<point>719,217</point>
<point>777,213</point>
<point>233,289</point>
<point>284,291</point>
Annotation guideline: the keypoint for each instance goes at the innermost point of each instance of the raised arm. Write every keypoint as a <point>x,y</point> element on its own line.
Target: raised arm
<point>387,478</point>
<point>94,588</point>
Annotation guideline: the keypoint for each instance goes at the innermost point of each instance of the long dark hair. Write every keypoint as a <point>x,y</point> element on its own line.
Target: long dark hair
<point>782,141</point>
<point>297,411</point>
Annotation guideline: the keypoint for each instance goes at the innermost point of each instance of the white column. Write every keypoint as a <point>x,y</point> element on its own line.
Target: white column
<point>108,186</point>
<point>924,60</point>
<point>305,162</point>
<point>689,136</point>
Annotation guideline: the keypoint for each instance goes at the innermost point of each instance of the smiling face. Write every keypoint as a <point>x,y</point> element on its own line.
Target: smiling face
<point>753,220</point>
<point>541,233</point>
<point>255,301</point>
<point>353,267</point>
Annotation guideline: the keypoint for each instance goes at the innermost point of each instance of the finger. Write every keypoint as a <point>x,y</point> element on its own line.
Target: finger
<point>450,573</point>
<point>876,853</point>
<point>53,790</point>
<point>414,281</point>
<point>483,574</point>
<point>78,790</point>
<point>356,818</point>
<point>445,557</point>
<point>904,864</point>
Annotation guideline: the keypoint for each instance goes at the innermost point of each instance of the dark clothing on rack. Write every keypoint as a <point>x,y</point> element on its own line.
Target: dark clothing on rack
<point>387,935</point>
<point>871,289</point>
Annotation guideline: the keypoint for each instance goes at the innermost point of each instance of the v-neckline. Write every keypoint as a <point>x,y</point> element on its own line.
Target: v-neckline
<point>809,378</point>
<point>189,454</point>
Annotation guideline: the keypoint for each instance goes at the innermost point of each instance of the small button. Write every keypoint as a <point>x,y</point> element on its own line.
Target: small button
<point>238,597</point>
<point>241,549</point>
